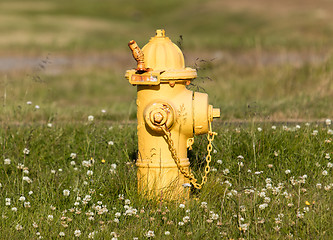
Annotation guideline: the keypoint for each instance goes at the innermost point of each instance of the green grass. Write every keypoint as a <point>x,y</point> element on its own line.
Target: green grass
<point>104,25</point>
<point>294,208</point>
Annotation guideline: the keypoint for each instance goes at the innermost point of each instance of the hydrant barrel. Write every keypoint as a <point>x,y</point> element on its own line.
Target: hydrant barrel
<point>168,116</point>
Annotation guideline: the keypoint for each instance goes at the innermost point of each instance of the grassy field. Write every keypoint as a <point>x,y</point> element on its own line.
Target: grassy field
<point>267,65</point>
<point>267,182</point>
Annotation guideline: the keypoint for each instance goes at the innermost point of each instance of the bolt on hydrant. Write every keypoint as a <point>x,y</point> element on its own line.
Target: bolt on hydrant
<point>168,115</point>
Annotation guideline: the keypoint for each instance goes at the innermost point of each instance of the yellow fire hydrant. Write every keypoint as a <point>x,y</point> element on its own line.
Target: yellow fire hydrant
<point>168,116</point>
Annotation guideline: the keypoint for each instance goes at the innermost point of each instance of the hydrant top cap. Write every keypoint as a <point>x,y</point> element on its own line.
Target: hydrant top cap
<point>161,54</point>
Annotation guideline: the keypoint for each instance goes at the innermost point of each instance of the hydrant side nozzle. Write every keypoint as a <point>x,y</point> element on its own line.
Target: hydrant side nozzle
<point>138,56</point>
<point>213,113</point>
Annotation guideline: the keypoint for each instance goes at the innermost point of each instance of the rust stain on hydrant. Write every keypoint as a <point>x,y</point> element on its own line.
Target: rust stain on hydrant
<point>169,115</point>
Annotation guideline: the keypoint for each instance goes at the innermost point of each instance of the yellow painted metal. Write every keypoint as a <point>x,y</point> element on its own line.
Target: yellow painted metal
<point>168,117</point>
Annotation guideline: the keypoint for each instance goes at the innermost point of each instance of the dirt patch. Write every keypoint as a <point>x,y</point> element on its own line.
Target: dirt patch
<point>119,61</point>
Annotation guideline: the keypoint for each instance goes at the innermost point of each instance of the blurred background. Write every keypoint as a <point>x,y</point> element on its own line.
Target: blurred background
<point>64,60</point>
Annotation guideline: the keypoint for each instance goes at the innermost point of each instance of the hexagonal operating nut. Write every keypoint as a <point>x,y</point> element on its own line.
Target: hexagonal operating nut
<point>158,117</point>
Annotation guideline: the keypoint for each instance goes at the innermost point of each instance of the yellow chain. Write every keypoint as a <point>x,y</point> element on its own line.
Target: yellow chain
<point>189,175</point>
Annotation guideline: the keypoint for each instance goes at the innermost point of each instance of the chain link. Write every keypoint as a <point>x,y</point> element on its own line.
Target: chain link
<point>189,174</point>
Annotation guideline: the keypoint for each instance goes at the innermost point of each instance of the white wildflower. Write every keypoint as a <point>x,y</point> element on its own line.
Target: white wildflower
<point>90,172</point>
<point>204,204</point>
<point>90,118</point>
<point>50,217</point>
<point>219,161</point>
<point>244,226</point>
<point>259,129</point>
<point>73,155</point>
<point>273,127</point>
<point>182,205</point>
<point>226,171</point>
<point>49,125</point>
<point>22,198</point>
<point>61,234</point>
<point>324,173</point>
<point>29,102</point>
<point>77,233</point>
<point>18,227</point>
<point>66,192</point>
<point>287,171</point>
<point>329,165</point>
<point>110,143</point>
<point>7,161</point>
<point>14,209</point>
<point>150,234</point>
<point>186,219</point>
<point>27,179</point>
<point>26,151</point>
<point>167,233</point>
<point>213,216</point>
<point>91,235</point>
<point>328,122</point>
<point>263,206</point>
<point>37,107</point>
